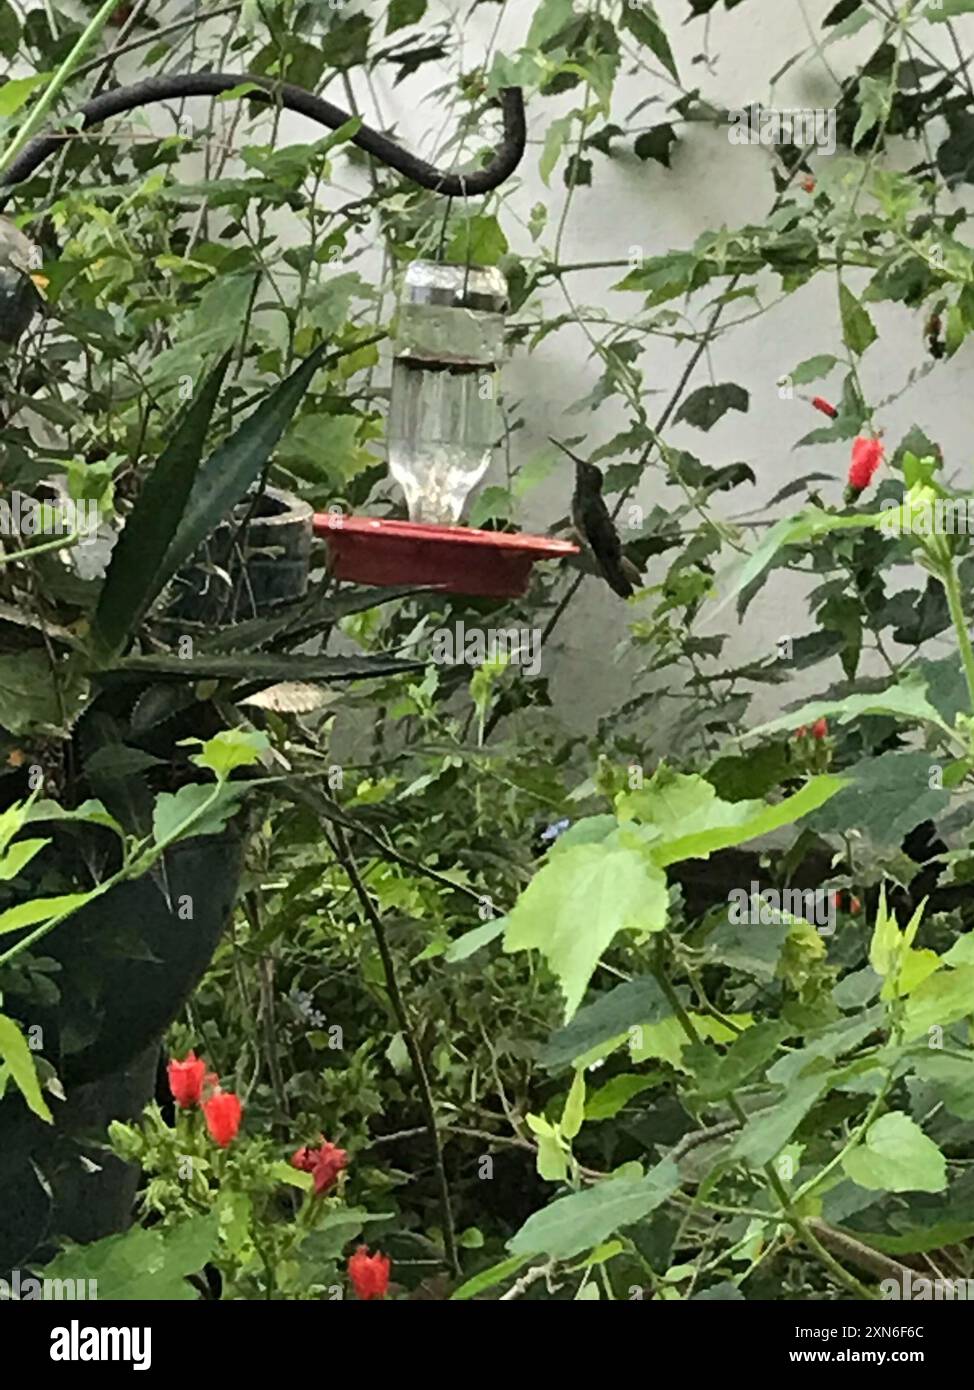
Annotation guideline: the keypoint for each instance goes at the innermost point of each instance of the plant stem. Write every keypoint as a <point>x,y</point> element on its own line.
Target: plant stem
<point>955,603</point>
<point>39,112</point>
<point>345,857</point>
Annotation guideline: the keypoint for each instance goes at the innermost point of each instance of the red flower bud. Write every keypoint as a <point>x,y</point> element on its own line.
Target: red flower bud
<point>820,728</point>
<point>369,1273</point>
<point>808,183</point>
<point>855,906</point>
<point>186,1080</point>
<point>222,1113</point>
<point>826,407</point>
<point>801,731</point>
<point>867,455</point>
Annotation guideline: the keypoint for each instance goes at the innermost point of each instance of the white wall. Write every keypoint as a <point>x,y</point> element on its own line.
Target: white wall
<point>712,182</point>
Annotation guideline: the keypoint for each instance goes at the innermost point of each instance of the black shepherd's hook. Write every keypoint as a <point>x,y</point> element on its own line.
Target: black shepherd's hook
<point>505,160</point>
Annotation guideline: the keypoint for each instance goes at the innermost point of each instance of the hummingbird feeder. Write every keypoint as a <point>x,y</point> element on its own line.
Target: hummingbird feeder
<point>444,421</point>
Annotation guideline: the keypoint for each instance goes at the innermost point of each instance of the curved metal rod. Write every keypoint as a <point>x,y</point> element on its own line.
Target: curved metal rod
<point>505,160</point>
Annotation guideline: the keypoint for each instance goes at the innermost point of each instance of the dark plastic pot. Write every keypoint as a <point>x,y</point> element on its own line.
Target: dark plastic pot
<point>276,553</point>
<point>129,962</point>
<point>104,1040</point>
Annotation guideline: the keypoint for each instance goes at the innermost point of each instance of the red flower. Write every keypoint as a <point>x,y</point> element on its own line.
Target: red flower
<point>808,183</point>
<point>369,1273</point>
<point>329,1163</point>
<point>820,728</point>
<point>855,906</point>
<point>325,1162</point>
<point>801,731</point>
<point>867,455</point>
<point>186,1080</point>
<point>826,407</point>
<point>222,1113</point>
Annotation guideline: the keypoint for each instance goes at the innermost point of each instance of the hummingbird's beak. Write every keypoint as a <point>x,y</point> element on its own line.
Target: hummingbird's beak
<point>564,450</point>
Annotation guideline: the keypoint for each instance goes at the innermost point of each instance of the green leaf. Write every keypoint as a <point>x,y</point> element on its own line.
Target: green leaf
<point>9,29</point>
<point>238,462</point>
<point>230,749</point>
<point>939,11</point>
<point>402,13</point>
<point>794,530</point>
<point>179,814</point>
<point>609,1099</point>
<point>942,999</point>
<point>35,694</point>
<point>885,799</point>
<point>553,1156</point>
<point>478,240</point>
<point>18,856</point>
<point>259,668</point>
<point>705,406</point>
<point>554,142</point>
<point>17,1060</point>
<point>336,1230</point>
<point>639,1001</point>
<point>550,17</point>
<point>858,331</point>
<point>12,821</point>
<point>906,700</point>
<point>951,1077</point>
<point>573,908</point>
<point>472,941</point>
<point>488,1278</point>
<point>141,1264</point>
<point>574,1111</point>
<point>766,1133</point>
<point>694,822</point>
<point>718,1074</point>
<point>38,910</point>
<point>17,91</point>
<point>584,1220</point>
<point>136,573</point>
<point>656,144</point>
<point>812,369</point>
<point>896,1156</point>
<point>643,23</point>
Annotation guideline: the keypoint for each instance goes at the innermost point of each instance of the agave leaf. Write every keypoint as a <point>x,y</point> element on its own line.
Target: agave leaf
<point>136,573</point>
<point>238,462</point>
<point>302,620</point>
<point>258,668</point>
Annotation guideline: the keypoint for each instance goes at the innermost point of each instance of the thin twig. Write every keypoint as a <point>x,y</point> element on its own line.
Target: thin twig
<point>345,857</point>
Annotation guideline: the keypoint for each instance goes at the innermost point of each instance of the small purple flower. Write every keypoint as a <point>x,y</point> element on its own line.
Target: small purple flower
<point>551,834</point>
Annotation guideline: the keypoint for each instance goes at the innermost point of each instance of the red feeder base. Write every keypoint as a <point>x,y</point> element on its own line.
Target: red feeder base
<point>456,558</point>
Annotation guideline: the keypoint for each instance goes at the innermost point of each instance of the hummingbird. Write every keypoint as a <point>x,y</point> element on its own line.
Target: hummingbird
<point>592,522</point>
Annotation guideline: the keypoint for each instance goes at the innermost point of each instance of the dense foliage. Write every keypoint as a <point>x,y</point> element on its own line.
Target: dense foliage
<point>498,1004</point>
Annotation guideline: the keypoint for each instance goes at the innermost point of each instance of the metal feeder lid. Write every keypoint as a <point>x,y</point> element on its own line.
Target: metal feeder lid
<point>482,288</point>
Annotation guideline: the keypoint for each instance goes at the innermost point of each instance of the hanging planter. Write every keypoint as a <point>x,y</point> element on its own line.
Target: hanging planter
<point>444,421</point>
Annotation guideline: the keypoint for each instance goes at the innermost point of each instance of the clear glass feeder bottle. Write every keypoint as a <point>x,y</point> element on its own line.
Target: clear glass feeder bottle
<point>444,416</point>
